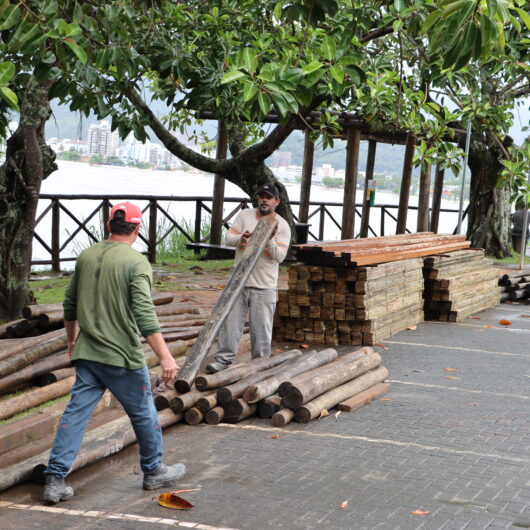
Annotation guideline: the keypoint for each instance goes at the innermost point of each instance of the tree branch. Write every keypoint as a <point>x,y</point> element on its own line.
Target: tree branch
<point>201,162</point>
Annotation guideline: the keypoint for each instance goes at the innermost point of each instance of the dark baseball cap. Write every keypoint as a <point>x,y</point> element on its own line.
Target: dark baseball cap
<point>270,189</point>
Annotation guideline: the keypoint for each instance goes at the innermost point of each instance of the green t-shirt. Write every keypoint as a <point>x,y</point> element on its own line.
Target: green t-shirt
<point>110,297</point>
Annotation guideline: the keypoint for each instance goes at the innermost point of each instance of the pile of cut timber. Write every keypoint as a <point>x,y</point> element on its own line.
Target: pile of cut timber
<point>458,284</point>
<point>350,305</point>
<point>515,287</point>
<point>370,251</point>
<point>284,387</point>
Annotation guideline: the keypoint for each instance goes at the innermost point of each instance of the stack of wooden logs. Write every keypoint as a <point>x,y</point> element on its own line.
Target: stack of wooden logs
<point>350,305</point>
<point>37,320</point>
<point>515,287</point>
<point>29,362</point>
<point>284,387</point>
<point>459,284</point>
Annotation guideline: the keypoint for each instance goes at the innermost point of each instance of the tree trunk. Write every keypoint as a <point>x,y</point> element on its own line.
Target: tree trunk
<point>28,162</point>
<point>489,208</point>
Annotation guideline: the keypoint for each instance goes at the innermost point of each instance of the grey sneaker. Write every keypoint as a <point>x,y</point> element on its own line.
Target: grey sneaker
<point>163,476</point>
<point>216,366</point>
<point>56,490</point>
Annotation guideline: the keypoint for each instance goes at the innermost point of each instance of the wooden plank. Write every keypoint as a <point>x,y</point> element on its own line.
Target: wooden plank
<point>365,397</point>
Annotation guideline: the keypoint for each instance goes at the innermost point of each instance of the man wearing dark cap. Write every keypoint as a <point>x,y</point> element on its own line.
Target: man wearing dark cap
<point>258,298</point>
<point>109,300</point>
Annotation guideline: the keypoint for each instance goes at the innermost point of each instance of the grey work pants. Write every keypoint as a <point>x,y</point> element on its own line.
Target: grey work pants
<point>259,304</point>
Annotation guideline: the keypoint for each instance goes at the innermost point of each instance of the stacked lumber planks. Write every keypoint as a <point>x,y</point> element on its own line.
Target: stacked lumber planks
<point>287,386</point>
<point>371,251</point>
<point>350,305</point>
<point>458,284</point>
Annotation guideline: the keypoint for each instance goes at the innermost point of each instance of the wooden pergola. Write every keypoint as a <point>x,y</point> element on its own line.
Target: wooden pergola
<point>354,131</point>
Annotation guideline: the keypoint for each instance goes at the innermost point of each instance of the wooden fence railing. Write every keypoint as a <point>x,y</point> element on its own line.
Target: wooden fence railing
<point>161,221</point>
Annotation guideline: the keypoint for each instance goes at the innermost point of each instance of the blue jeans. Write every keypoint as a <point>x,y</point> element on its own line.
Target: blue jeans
<point>132,388</point>
<point>259,304</point>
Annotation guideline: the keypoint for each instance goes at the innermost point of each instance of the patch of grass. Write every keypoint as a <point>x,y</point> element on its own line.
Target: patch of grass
<point>514,259</point>
<point>28,412</point>
<point>50,290</point>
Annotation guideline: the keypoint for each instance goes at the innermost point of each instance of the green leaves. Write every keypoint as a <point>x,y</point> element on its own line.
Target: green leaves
<point>232,76</point>
<point>329,48</point>
<point>9,17</point>
<point>7,71</point>
<point>78,51</point>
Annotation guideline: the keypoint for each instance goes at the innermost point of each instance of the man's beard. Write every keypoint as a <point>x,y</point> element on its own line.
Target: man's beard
<point>268,211</point>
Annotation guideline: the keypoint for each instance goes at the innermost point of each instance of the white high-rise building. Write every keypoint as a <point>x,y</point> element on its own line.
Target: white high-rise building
<point>101,141</point>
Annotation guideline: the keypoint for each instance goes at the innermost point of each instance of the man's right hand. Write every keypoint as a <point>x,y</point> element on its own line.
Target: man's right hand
<point>245,236</point>
<point>170,370</point>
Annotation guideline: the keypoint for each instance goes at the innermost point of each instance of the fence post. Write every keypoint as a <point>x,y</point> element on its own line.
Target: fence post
<point>197,235</point>
<point>106,215</point>
<point>56,252</point>
<point>383,212</point>
<point>151,245</point>
<point>321,224</point>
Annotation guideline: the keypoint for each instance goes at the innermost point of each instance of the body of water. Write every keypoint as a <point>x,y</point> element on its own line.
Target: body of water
<point>75,178</point>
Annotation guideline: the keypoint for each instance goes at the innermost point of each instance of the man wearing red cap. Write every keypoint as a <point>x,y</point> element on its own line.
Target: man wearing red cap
<point>109,301</point>
<point>258,298</point>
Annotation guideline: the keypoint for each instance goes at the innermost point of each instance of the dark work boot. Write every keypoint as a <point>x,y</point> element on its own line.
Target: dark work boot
<point>216,366</point>
<point>163,476</point>
<point>56,490</point>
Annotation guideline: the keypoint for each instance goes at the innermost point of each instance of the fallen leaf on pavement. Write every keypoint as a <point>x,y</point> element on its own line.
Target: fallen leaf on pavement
<point>473,318</point>
<point>305,346</point>
<point>449,369</point>
<point>343,505</point>
<point>324,413</point>
<point>385,399</point>
<point>173,501</point>
<point>488,326</point>
<point>337,414</point>
<point>505,322</point>
<point>451,377</point>
<point>274,436</point>
<point>381,345</point>
<point>412,328</point>
<point>419,512</point>
<point>472,404</point>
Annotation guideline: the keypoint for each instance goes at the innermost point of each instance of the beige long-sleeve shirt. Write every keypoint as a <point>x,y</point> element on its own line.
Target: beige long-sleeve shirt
<point>265,274</point>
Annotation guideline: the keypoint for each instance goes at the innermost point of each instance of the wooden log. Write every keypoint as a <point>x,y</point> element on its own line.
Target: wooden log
<point>215,416</point>
<point>175,309</point>
<point>31,354</point>
<point>307,362</point>
<point>206,403</point>
<point>28,400</point>
<point>17,345</point>
<point>225,377</point>
<point>308,389</point>
<point>226,301</point>
<point>52,377</point>
<point>51,318</point>
<point>282,417</point>
<point>193,416</point>
<point>103,441</point>
<point>162,298</point>
<point>33,311</point>
<point>364,397</point>
<point>24,375</point>
<point>320,370</point>
<point>268,406</point>
<point>235,390</point>
<point>238,409</point>
<point>163,399</point>
<point>331,398</point>
<point>182,323</point>
<point>185,401</point>
<point>3,327</point>
<point>181,317</point>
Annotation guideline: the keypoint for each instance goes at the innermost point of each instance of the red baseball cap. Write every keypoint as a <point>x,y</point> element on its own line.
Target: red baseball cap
<point>133,214</point>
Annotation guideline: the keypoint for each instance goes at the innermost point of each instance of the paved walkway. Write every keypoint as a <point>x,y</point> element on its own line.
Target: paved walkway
<point>451,438</point>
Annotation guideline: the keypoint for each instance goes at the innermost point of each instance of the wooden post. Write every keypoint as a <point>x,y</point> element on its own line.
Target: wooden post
<point>321,223</point>
<point>197,230</point>
<point>226,301</point>
<point>106,215</point>
<point>422,224</point>
<point>151,251</point>
<point>56,235</point>
<point>404,193</point>
<point>350,184</point>
<point>437,198</point>
<point>370,164</point>
<point>307,171</point>
<point>219,186</point>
